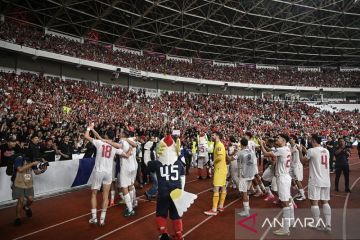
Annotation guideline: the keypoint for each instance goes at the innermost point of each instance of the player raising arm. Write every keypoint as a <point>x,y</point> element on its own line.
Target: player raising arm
<point>103,171</point>
<point>128,170</point>
<point>282,157</point>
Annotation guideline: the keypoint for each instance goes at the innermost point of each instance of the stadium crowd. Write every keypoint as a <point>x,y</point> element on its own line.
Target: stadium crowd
<point>99,52</point>
<point>58,110</point>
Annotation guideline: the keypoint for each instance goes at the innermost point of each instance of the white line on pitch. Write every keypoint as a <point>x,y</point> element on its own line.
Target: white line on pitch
<point>268,229</point>
<point>135,221</point>
<point>75,218</point>
<point>344,211</point>
<point>206,219</point>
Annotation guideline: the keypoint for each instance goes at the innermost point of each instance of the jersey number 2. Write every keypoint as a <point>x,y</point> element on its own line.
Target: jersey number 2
<point>164,172</point>
<point>288,160</point>
<point>106,151</point>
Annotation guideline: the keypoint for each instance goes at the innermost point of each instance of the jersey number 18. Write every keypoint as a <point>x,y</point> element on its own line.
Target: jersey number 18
<point>106,151</point>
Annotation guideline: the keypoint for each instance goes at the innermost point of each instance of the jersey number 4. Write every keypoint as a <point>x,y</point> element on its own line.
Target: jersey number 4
<point>324,160</point>
<point>170,172</point>
<point>106,151</point>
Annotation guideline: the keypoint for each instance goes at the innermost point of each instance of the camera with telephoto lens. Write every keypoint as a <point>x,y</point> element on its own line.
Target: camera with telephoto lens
<point>43,164</point>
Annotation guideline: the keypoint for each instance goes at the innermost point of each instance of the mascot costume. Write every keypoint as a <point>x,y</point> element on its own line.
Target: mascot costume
<point>172,200</point>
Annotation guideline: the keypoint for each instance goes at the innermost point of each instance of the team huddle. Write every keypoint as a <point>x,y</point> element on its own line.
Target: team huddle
<point>284,169</point>
<point>172,200</point>
<point>236,166</point>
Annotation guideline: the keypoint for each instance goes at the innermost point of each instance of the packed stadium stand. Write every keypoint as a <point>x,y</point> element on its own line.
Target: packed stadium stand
<point>244,98</point>
<point>101,52</point>
<point>35,104</point>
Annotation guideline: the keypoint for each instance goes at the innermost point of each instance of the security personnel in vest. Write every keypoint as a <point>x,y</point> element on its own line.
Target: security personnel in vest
<point>194,153</point>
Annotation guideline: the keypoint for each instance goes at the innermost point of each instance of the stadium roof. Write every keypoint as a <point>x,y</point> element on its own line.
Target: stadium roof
<point>296,32</point>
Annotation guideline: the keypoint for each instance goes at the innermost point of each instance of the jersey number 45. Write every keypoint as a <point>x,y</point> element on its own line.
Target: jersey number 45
<point>170,172</point>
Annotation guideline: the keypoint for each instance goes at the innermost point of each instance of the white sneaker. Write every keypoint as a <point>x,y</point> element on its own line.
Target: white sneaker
<point>300,198</point>
<point>259,194</point>
<point>292,223</point>
<point>312,226</point>
<point>102,222</point>
<point>251,192</point>
<point>93,221</point>
<point>327,228</point>
<point>282,232</point>
<point>297,196</point>
<point>244,213</point>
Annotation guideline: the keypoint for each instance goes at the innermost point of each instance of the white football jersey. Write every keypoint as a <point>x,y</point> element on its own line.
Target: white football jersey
<point>105,154</point>
<point>295,157</point>
<point>283,155</point>
<point>128,163</point>
<point>251,146</point>
<point>319,173</point>
<point>247,163</point>
<point>147,152</point>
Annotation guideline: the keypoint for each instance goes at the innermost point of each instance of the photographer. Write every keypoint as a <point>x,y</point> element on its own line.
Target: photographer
<point>23,184</point>
<point>342,164</point>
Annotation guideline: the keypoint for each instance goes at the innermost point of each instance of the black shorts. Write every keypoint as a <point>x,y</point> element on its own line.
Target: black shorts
<point>165,206</point>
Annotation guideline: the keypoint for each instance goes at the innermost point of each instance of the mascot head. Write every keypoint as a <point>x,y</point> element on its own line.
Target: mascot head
<point>168,150</point>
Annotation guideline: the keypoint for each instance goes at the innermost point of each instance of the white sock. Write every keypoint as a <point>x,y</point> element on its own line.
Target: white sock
<point>262,186</point>
<point>103,215</point>
<point>315,210</point>
<point>292,215</point>
<point>93,213</point>
<point>112,195</point>
<point>246,206</point>
<point>128,202</point>
<point>121,195</point>
<point>291,200</point>
<point>133,195</point>
<point>286,217</point>
<point>327,214</point>
<point>302,192</point>
<point>268,191</point>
